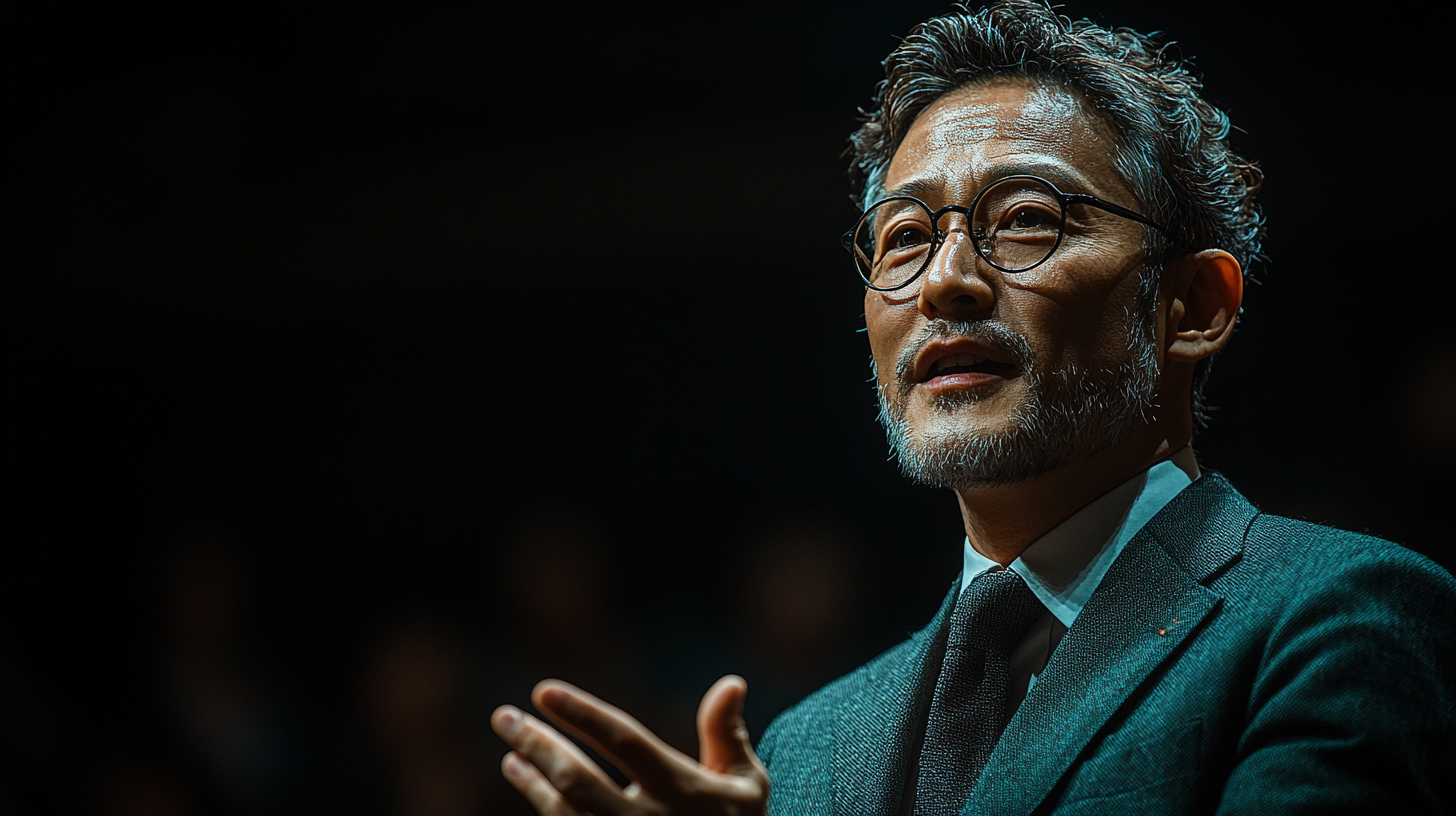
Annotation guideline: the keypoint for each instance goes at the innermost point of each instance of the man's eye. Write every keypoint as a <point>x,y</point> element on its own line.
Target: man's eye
<point>907,238</point>
<point>1028,218</point>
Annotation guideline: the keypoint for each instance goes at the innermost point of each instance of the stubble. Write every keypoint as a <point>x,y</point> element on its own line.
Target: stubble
<point>1069,414</point>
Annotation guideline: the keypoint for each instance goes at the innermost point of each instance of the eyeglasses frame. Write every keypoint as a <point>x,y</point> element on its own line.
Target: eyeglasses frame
<point>938,235</point>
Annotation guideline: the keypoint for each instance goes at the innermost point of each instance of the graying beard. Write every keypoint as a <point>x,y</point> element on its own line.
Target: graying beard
<point>1070,416</point>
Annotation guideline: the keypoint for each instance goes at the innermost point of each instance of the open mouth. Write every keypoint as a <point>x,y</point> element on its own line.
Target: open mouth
<point>965,363</point>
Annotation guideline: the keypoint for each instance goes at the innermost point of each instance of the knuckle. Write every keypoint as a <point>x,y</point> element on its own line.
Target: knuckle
<point>530,743</point>
<point>525,731</point>
<point>569,780</point>
<point>524,737</point>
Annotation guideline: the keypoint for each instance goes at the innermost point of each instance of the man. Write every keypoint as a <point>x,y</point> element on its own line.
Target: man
<point>1052,250</point>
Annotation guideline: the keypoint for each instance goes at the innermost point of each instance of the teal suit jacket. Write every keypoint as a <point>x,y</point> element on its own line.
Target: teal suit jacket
<point>1230,662</point>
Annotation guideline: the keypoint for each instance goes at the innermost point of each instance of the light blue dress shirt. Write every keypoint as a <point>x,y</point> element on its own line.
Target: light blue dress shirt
<point>1064,566</point>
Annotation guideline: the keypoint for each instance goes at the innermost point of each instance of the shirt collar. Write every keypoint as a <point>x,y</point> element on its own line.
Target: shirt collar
<point>1065,565</point>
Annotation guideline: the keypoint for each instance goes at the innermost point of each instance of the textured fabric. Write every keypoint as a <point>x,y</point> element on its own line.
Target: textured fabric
<point>1230,662</point>
<point>968,709</point>
<point>1064,567</point>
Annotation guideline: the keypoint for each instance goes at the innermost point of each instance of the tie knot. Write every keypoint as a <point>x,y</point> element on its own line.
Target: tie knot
<point>994,612</point>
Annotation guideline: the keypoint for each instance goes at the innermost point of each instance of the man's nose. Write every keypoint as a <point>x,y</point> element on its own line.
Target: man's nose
<point>954,286</point>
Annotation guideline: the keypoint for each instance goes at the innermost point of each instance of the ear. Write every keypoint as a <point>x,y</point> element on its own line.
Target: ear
<point>1207,288</point>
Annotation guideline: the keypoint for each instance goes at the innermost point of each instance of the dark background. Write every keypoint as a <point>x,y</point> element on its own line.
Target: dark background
<point>360,369</point>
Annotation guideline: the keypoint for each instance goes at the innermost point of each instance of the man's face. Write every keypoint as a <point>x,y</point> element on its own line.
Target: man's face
<point>988,377</point>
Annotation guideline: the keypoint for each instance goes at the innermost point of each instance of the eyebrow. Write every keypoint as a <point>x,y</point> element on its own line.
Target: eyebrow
<point>1057,173</point>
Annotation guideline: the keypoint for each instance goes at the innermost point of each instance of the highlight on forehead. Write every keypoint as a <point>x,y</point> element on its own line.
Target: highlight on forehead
<point>1041,101</point>
<point>1044,106</point>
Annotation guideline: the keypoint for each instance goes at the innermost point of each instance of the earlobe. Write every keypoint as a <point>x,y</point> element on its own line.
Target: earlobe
<point>1201,317</point>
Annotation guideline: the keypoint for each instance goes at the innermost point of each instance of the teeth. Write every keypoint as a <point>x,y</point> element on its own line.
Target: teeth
<point>958,360</point>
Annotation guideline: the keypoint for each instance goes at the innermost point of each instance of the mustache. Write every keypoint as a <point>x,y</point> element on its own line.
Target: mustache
<point>988,333</point>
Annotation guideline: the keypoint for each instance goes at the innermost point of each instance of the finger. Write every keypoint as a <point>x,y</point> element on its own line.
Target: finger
<point>640,754</point>
<point>569,771</point>
<point>723,741</point>
<point>533,785</point>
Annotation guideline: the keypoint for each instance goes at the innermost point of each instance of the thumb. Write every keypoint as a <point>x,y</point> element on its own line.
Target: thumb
<point>723,742</point>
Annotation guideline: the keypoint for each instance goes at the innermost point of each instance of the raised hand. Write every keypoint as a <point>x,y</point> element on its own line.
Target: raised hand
<point>559,780</point>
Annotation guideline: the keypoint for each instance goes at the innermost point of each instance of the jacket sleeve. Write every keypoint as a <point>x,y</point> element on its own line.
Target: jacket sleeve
<point>1352,710</point>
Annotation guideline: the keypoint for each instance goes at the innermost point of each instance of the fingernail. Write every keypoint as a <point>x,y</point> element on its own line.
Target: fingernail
<point>509,720</point>
<point>514,765</point>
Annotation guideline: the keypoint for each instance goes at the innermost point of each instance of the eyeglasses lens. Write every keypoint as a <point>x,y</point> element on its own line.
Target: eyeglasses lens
<point>1017,224</point>
<point>892,242</point>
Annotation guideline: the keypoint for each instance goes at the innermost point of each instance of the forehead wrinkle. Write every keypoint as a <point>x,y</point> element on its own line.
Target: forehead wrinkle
<point>1042,100</point>
<point>981,128</point>
<point>964,125</point>
<point>933,183</point>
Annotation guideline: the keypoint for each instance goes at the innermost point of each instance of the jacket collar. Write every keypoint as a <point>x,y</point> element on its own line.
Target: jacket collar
<point>1152,599</point>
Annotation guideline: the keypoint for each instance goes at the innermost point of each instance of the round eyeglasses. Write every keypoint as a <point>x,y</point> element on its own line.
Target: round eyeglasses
<point>1016,223</point>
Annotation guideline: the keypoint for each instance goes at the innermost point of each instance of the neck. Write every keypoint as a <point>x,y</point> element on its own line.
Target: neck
<point>1003,520</point>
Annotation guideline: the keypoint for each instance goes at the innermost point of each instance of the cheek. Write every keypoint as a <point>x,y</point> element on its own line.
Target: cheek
<point>1080,320</point>
<point>1081,271</point>
<point>1102,338</point>
<point>887,329</point>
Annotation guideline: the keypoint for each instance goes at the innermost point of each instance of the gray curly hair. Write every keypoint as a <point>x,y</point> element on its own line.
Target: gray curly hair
<point>1173,146</point>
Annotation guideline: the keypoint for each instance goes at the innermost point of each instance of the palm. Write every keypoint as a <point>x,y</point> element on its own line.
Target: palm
<point>559,779</point>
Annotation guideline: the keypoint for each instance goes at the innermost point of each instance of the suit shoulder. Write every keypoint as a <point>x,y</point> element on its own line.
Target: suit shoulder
<point>1308,584</point>
<point>1314,551</point>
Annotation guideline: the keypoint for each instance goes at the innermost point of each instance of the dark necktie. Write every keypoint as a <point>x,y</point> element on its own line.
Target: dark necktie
<point>968,711</point>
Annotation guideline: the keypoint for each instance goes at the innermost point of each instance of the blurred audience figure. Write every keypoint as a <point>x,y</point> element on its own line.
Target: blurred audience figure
<point>797,611</point>
<point>217,688</point>
<point>424,718</point>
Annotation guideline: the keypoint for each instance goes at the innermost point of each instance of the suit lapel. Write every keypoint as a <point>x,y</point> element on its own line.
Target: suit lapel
<point>1149,602</point>
<point>878,721</point>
